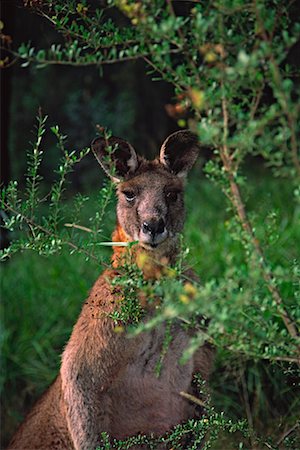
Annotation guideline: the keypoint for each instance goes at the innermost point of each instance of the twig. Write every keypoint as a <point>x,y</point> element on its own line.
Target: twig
<point>67,32</point>
<point>256,102</point>
<point>186,53</point>
<point>99,62</point>
<point>30,223</point>
<point>282,95</point>
<point>268,445</point>
<point>286,433</point>
<point>247,405</point>
<point>246,224</point>
<point>193,399</point>
<point>79,227</point>
<point>162,73</point>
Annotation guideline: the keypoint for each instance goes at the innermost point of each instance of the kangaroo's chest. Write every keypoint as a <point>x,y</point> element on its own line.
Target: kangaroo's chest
<point>146,398</point>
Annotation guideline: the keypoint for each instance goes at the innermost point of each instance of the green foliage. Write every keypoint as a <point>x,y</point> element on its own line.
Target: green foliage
<point>227,51</point>
<point>228,62</point>
<point>47,234</point>
<point>130,281</point>
<point>34,161</point>
<point>189,435</point>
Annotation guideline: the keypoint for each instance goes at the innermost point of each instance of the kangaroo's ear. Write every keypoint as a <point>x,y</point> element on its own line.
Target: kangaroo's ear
<point>179,152</point>
<point>116,157</point>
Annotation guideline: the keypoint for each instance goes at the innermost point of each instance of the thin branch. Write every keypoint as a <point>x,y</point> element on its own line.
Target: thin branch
<point>282,97</point>
<point>193,399</point>
<point>247,405</point>
<point>287,433</point>
<point>212,341</point>
<point>99,62</point>
<point>78,227</point>
<point>66,32</point>
<point>162,73</point>
<point>31,223</point>
<point>245,222</point>
<point>268,445</point>
<point>185,50</point>
<point>283,359</point>
<point>256,102</point>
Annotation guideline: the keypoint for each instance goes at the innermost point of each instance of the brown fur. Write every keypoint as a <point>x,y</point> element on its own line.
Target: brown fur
<point>107,381</point>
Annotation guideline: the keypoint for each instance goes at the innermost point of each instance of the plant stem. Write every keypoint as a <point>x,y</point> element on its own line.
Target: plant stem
<point>286,433</point>
<point>31,224</point>
<point>193,399</point>
<point>281,94</point>
<point>239,208</point>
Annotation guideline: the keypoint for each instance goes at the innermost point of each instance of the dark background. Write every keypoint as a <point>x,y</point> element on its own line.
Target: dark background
<point>124,99</point>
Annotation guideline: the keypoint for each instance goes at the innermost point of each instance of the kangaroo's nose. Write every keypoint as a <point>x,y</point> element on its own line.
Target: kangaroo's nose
<point>153,227</point>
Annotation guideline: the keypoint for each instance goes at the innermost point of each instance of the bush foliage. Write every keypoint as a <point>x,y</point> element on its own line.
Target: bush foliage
<point>229,64</point>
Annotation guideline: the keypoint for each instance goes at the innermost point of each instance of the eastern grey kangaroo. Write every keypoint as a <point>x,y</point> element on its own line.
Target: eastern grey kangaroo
<point>107,381</point>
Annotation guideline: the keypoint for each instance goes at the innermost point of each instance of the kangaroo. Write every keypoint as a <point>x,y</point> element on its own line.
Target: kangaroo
<point>107,381</point>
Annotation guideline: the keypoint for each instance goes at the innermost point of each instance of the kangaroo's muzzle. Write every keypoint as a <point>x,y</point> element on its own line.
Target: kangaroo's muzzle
<point>153,232</point>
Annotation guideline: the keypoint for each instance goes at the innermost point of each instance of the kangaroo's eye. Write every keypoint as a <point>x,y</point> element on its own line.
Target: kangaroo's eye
<point>172,196</point>
<point>129,195</point>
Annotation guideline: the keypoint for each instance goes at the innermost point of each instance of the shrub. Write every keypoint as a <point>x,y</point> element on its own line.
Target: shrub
<point>229,64</point>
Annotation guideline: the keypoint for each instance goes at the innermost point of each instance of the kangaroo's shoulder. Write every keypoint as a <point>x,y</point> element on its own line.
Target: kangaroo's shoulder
<point>101,300</point>
<point>104,292</point>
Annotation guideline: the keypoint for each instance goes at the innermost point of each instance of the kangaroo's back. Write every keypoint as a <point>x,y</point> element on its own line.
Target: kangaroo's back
<point>43,428</point>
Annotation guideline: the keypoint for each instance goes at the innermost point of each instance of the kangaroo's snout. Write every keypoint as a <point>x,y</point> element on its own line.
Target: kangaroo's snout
<point>153,227</point>
<point>153,232</point>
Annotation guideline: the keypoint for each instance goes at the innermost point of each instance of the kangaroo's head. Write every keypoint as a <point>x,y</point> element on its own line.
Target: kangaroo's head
<point>150,193</point>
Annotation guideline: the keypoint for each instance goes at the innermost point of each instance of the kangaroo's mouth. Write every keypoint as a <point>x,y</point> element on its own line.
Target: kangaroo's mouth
<point>148,246</point>
<point>152,246</point>
<point>152,233</point>
<point>153,243</point>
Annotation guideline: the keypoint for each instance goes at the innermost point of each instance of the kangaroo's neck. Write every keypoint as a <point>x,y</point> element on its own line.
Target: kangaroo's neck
<point>153,263</point>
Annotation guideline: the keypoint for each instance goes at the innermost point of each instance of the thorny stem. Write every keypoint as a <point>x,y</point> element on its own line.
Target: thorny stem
<point>236,199</point>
